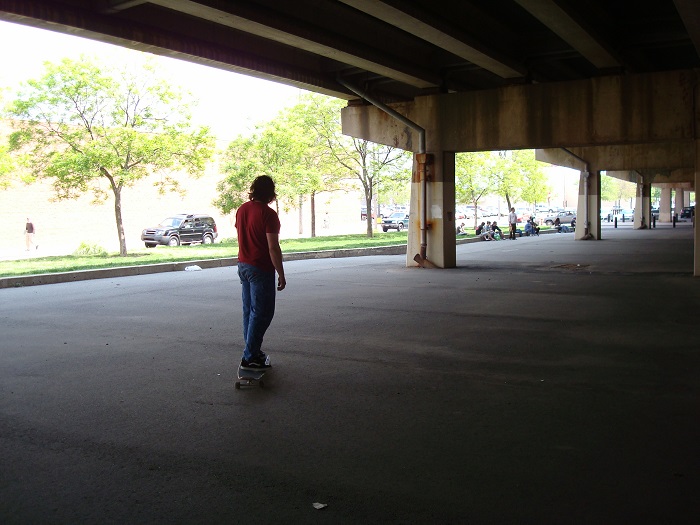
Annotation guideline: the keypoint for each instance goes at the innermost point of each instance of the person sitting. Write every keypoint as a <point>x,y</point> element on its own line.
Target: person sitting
<point>531,228</point>
<point>561,228</point>
<point>461,230</point>
<point>497,232</point>
<point>573,222</point>
<point>484,231</point>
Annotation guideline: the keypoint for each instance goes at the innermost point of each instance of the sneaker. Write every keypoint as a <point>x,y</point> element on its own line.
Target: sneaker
<point>261,362</point>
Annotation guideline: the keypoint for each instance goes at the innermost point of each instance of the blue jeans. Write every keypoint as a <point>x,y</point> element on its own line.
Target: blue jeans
<point>258,293</point>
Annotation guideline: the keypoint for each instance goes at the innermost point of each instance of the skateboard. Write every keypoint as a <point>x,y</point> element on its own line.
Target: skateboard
<point>251,377</point>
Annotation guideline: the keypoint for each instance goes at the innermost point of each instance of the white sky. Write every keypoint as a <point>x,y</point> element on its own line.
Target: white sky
<point>229,103</point>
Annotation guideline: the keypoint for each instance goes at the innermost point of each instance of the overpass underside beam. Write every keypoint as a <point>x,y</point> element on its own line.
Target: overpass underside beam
<point>613,122</point>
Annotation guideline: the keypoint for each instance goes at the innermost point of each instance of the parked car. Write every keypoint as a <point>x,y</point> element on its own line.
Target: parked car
<point>625,215</point>
<point>655,213</point>
<point>688,212</point>
<point>565,217</point>
<point>363,213</point>
<point>181,229</point>
<point>546,208</point>
<point>396,221</point>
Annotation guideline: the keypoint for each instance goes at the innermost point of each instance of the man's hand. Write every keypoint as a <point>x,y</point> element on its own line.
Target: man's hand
<point>281,283</point>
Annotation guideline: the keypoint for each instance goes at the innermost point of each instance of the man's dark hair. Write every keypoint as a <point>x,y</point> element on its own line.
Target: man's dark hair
<point>263,189</point>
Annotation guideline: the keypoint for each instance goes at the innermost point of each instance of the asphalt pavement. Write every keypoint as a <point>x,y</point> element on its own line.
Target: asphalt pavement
<point>543,380</point>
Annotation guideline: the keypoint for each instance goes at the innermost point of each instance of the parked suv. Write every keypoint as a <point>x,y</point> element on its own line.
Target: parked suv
<point>397,221</point>
<point>181,229</point>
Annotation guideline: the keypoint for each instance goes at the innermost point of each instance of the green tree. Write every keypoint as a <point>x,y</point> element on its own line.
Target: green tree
<point>534,186</point>
<point>291,151</point>
<point>518,176</point>
<point>241,164</point>
<point>473,178</point>
<point>314,169</point>
<point>6,167</point>
<point>609,190</point>
<point>86,125</point>
<point>365,161</point>
<point>616,190</point>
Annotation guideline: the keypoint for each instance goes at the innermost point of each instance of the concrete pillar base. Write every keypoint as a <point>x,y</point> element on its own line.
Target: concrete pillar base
<point>440,200</point>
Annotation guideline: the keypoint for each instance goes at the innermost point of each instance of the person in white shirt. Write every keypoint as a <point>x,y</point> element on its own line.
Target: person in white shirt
<point>513,221</point>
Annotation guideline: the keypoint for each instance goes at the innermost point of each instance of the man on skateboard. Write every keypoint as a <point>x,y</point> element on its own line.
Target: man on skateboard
<point>259,256</point>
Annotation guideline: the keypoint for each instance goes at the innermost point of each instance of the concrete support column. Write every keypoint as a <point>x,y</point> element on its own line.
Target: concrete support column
<point>665,205</point>
<point>440,196</point>
<point>696,270</point>
<point>678,201</point>
<point>642,207</point>
<point>591,181</point>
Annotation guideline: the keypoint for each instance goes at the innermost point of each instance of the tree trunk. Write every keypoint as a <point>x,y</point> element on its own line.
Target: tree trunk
<point>368,202</point>
<point>370,221</point>
<point>313,214</point>
<point>120,222</point>
<point>301,215</point>
<point>117,190</point>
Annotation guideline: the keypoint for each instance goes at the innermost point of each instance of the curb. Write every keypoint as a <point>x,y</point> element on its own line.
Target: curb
<point>146,269</point>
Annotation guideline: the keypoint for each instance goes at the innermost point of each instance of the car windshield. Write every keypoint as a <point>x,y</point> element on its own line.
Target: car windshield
<point>171,222</point>
<point>398,215</point>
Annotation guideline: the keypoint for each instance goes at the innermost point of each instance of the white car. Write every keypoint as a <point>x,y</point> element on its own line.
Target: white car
<point>625,215</point>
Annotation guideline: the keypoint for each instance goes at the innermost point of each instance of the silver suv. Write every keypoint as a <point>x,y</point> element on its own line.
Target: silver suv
<point>181,229</point>
<point>397,221</point>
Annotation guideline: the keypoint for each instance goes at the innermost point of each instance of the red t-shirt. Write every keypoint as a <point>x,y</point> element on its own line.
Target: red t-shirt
<point>254,220</point>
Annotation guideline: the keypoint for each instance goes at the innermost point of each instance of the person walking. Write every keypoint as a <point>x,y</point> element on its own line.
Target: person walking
<point>29,232</point>
<point>259,256</point>
<point>513,222</point>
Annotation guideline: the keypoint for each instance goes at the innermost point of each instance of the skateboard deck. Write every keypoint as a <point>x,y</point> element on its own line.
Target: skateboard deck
<point>251,377</point>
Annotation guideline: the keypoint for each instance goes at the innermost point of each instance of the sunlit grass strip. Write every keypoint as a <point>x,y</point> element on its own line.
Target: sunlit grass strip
<point>164,254</point>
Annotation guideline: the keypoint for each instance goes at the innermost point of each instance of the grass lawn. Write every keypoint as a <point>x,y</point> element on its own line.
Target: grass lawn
<point>163,254</point>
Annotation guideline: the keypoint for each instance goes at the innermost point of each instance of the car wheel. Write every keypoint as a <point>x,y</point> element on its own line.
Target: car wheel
<point>174,241</point>
<point>207,239</point>
<point>400,226</point>
<point>150,245</point>
<point>385,229</point>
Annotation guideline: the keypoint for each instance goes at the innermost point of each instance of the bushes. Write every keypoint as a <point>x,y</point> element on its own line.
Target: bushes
<point>90,249</point>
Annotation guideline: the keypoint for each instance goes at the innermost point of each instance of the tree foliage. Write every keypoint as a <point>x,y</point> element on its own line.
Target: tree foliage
<point>616,190</point>
<point>303,149</point>
<point>372,165</point>
<point>91,128</point>
<point>6,166</point>
<point>514,175</point>
<point>473,178</point>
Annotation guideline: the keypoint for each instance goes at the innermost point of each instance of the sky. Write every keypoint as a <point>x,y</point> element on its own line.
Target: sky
<point>230,103</point>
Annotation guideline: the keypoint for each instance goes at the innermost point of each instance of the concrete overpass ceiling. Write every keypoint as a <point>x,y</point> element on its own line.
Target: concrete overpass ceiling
<point>394,49</point>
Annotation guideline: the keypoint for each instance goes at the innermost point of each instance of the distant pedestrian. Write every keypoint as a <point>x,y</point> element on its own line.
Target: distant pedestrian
<point>29,232</point>
<point>513,222</point>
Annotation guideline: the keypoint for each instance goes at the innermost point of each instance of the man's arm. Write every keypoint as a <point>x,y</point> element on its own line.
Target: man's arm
<point>273,245</point>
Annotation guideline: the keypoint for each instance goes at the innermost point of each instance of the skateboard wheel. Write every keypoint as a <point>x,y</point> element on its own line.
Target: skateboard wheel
<point>238,385</point>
